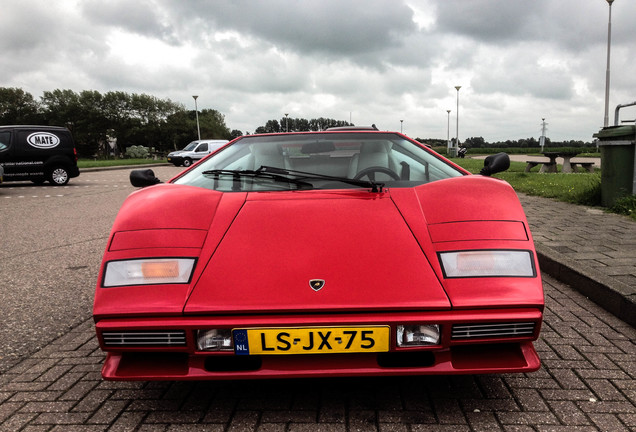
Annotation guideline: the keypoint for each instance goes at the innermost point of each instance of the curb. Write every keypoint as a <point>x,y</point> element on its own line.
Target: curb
<point>612,295</point>
<point>122,167</point>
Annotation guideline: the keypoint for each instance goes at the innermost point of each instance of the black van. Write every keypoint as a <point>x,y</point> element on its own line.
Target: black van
<point>38,153</point>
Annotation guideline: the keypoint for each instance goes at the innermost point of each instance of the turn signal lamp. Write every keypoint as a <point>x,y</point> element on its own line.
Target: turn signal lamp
<point>148,271</point>
<point>487,263</point>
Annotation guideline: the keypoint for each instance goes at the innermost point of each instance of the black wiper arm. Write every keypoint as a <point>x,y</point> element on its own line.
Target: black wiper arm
<point>375,187</point>
<point>237,174</point>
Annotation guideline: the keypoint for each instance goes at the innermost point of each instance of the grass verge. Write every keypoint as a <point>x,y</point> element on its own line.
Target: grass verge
<point>90,163</point>
<point>575,188</point>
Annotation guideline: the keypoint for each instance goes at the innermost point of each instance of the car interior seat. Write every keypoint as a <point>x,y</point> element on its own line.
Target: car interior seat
<point>373,154</point>
<point>269,155</point>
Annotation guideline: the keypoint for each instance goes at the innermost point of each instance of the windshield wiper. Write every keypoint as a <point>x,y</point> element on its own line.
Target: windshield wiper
<point>237,174</point>
<point>375,187</point>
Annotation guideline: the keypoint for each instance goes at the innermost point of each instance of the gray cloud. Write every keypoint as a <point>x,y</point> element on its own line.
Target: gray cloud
<point>377,61</point>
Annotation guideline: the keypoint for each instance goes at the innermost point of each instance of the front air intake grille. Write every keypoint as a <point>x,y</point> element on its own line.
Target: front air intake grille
<point>492,330</point>
<point>162,338</point>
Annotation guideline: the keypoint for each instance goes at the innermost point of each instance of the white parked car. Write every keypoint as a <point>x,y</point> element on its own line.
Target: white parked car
<point>194,151</point>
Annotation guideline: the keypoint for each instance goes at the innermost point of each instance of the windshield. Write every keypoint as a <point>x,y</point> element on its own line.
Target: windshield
<point>191,146</point>
<point>386,158</point>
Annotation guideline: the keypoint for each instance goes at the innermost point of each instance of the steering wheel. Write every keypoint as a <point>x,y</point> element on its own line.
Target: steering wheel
<point>370,173</point>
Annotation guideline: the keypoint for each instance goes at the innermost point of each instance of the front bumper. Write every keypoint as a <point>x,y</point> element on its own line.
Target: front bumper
<point>477,355</point>
<point>176,160</point>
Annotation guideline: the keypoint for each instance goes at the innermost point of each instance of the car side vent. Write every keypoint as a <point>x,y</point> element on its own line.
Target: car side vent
<point>492,330</point>
<point>161,338</point>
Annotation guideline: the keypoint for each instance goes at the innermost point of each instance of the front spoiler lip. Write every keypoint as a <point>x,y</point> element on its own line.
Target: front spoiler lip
<point>500,358</point>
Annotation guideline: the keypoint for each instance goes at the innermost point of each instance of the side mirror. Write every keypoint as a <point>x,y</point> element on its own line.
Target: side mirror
<point>494,164</point>
<point>143,178</point>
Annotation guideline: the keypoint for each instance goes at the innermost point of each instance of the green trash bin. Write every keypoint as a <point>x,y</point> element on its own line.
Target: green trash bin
<point>618,164</point>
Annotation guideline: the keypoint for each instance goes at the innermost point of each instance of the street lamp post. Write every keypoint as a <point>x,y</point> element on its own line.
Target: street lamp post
<point>457,125</point>
<point>448,143</point>
<point>286,123</point>
<point>607,71</point>
<point>401,123</point>
<point>196,109</point>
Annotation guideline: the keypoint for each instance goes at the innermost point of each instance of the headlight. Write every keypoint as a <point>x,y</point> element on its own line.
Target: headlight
<point>148,271</point>
<point>487,263</point>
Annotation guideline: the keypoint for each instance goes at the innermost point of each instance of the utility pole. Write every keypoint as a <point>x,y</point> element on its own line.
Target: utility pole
<point>542,139</point>
<point>607,70</point>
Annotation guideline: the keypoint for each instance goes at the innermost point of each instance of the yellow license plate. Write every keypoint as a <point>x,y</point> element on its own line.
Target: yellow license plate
<point>311,340</point>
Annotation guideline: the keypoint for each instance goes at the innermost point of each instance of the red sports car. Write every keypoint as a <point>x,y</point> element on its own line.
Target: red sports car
<point>335,253</point>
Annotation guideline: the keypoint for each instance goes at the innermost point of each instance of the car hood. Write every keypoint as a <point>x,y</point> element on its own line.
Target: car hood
<point>357,243</point>
<point>263,251</point>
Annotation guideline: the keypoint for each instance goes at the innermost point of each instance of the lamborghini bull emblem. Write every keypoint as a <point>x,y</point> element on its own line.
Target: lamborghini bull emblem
<point>316,284</point>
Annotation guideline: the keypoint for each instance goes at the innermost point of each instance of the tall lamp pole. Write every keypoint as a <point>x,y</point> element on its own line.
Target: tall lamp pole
<point>401,123</point>
<point>607,71</point>
<point>286,123</point>
<point>448,144</point>
<point>457,125</point>
<point>196,109</point>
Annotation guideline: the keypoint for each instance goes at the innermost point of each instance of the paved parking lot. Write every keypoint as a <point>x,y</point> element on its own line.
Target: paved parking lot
<point>50,366</point>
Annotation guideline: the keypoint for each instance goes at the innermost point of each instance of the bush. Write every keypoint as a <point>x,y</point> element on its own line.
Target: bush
<point>137,152</point>
<point>625,205</point>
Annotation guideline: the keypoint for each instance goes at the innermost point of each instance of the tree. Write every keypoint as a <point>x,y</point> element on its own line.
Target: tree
<point>212,124</point>
<point>299,125</point>
<point>17,107</point>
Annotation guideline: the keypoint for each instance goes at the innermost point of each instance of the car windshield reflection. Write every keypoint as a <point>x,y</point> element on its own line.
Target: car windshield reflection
<point>385,158</point>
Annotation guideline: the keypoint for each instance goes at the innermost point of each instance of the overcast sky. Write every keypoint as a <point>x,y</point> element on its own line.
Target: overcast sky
<point>368,61</point>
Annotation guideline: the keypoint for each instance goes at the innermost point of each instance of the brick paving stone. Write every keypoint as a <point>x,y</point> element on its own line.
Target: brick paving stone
<point>78,391</point>
<point>332,413</point>
<point>608,423</point>
<point>107,412</point>
<point>92,401</point>
<point>7,409</point>
<point>174,416</point>
<point>194,428</point>
<point>392,427</point>
<point>448,411</point>
<point>154,428</point>
<point>406,417</point>
<point>530,400</point>
<point>218,416</point>
<point>441,428</point>
<point>568,413</point>
<point>276,427</point>
<point>16,422</point>
<point>528,418</point>
<point>32,428</point>
<point>78,428</point>
<point>40,407</point>
<point>628,419</point>
<point>244,420</point>
<point>56,418</point>
<point>269,416</point>
<point>40,396</point>
<point>127,422</point>
<point>306,427</point>
<point>483,421</point>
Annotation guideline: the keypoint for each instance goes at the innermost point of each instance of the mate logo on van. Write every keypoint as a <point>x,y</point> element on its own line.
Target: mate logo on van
<point>43,140</point>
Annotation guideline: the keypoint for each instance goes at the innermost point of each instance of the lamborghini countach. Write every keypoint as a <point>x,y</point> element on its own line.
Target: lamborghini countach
<point>336,253</point>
